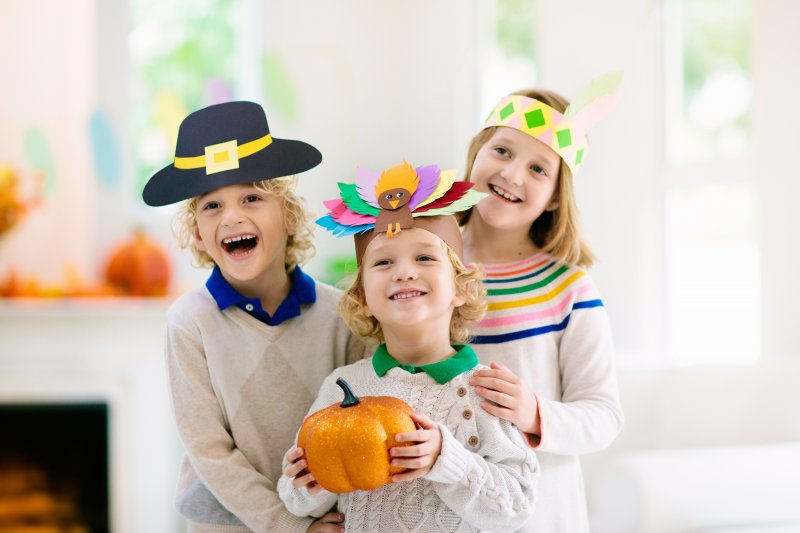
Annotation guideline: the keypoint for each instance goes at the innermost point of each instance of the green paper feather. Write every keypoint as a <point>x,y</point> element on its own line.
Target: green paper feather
<point>354,202</point>
<point>600,86</point>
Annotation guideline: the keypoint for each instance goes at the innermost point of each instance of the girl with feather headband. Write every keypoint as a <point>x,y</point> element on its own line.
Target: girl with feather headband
<point>466,470</point>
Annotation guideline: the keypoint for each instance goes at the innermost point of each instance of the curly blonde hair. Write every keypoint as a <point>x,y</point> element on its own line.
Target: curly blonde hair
<point>469,285</point>
<point>299,247</point>
<point>555,232</point>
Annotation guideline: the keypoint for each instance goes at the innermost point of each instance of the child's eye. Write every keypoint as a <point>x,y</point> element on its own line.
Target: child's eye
<point>211,205</point>
<point>252,198</point>
<point>426,258</point>
<point>539,170</point>
<point>501,150</point>
<point>381,262</point>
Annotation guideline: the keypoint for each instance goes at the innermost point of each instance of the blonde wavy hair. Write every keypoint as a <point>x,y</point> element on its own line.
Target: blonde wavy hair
<point>299,247</point>
<point>469,285</point>
<point>556,232</point>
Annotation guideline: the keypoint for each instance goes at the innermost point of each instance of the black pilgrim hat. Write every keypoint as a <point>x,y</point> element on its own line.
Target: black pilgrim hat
<point>226,144</point>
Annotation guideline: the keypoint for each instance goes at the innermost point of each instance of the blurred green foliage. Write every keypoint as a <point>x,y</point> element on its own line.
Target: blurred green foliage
<point>514,31</point>
<point>178,49</point>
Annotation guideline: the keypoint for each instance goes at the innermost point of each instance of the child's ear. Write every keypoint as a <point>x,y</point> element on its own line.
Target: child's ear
<point>289,220</point>
<point>553,205</point>
<point>458,300</point>
<point>198,240</point>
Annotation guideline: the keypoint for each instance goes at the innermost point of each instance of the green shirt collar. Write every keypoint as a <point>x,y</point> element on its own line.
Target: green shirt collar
<point>443,371</point>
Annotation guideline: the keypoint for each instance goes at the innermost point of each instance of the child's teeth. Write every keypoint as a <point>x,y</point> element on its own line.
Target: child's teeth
<point>504,194</point>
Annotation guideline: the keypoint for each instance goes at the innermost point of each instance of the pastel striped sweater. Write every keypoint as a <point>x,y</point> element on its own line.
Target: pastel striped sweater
<point>547,323</point>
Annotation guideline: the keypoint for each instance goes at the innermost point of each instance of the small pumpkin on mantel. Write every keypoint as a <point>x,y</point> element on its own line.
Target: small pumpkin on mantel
<point>139,267</point>
<point>347,445</point>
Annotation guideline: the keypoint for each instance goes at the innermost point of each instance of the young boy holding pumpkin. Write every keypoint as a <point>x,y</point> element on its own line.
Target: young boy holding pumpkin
<point>465,470</point>
<point>243,366</point>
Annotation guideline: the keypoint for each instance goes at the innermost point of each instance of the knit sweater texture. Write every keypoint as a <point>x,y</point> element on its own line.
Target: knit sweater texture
<point>484,479</point>
<point>239,391</point>
<point>547,324</point>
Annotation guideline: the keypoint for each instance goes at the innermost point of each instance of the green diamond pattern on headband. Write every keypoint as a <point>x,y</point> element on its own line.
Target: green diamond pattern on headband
<point>579,157</point>
<point>534,119</point>
<point>564,138</point>
<point>506,111</point>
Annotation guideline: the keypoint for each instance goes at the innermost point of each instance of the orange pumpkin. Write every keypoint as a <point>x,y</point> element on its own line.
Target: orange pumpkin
<point>139,267</point>
<point>347,445</point>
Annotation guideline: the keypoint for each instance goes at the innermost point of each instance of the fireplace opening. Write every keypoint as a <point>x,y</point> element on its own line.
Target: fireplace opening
<point>54,467</point>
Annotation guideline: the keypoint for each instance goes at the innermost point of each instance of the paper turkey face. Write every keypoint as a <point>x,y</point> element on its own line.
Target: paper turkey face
<point>393,198</point>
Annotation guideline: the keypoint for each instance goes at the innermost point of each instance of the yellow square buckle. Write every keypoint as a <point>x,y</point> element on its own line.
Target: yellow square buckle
<point>222,156</point>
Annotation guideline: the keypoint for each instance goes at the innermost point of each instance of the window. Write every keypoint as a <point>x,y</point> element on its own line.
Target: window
<point>182,59</point>
<point>711,249</point>
<point>507,50</point>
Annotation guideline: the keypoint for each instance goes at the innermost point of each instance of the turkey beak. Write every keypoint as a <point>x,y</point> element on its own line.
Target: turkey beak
<point>394,203</point>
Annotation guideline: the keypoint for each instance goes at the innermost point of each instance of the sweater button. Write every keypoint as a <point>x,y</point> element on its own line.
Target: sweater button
<point>473,441</point>
<point>249,307</point>
<point>461,391</point>
<point>467,414</point>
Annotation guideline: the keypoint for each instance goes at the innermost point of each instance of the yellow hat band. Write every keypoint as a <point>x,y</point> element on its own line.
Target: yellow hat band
<point>223,156</point>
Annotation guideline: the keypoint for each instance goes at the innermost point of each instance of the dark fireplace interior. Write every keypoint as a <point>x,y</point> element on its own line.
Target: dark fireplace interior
<point>54,467</point>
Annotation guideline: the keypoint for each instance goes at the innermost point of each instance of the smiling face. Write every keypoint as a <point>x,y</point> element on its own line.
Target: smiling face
<point>409,283</point>
<point>244,231</point>
<point>520,174</point>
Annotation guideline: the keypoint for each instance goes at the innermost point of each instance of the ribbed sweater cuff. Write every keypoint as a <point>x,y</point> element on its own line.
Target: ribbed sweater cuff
<point>452,463</point>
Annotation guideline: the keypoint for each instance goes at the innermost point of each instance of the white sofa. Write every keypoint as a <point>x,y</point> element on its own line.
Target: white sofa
<point>704,449</point>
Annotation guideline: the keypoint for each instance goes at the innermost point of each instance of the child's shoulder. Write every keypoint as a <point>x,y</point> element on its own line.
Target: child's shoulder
<point>189,304</point>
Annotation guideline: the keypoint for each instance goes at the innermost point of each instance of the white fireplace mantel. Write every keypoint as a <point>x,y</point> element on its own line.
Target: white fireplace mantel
<point>110,350</point>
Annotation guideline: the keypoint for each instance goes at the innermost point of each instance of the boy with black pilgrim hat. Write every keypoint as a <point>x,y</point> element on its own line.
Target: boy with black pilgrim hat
<point>247,353</point>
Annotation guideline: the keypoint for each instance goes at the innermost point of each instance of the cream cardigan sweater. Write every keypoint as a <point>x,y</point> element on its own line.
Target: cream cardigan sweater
<point>484,479</point>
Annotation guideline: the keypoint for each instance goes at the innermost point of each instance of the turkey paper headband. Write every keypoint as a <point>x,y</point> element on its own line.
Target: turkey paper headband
<point>399,198</point>
<point>565,134</point>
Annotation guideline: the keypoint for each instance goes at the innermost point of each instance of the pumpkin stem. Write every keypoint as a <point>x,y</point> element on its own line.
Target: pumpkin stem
<point>350,398</point>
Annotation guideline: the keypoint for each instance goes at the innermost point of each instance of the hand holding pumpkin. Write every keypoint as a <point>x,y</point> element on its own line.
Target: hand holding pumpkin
<point>347,445</point>
<point>297,470</point>
<point>419,458</point>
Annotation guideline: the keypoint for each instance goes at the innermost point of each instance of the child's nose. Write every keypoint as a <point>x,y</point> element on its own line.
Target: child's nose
<point>512,173</point>
<point>232,215</point>
<point>405,272</point>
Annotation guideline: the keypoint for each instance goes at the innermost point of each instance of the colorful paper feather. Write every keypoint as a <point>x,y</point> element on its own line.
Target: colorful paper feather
<point>435,192</point>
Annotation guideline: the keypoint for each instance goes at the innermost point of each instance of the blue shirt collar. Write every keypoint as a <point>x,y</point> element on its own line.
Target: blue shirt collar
<point>302,291</point>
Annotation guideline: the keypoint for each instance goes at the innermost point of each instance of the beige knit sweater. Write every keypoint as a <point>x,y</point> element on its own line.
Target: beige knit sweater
<point>240,390</point>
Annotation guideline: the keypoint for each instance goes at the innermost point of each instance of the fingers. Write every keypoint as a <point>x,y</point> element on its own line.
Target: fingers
<point>294,454</point>
<point>502,399</point>
<point>330,523</point>
<point>304,479</point>
<point>332,518</point>
<point>423,421</point>
<point>496,375</point>
<point>500,412</point>
<point>295,468</point>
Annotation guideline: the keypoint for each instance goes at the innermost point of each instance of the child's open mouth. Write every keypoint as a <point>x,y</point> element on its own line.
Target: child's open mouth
<point>504,194</point>
<point>239,245</point>
<point>406,295</point>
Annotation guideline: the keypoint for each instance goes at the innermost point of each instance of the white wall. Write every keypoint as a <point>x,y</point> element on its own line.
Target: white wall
<point>776,120</point>
<point>377,82</point>
<point>47,73</point>
<point>619,188</point>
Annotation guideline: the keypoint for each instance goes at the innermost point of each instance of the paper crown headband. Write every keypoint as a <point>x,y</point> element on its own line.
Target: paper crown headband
<point>564,133</point>
<point>399,198</point>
